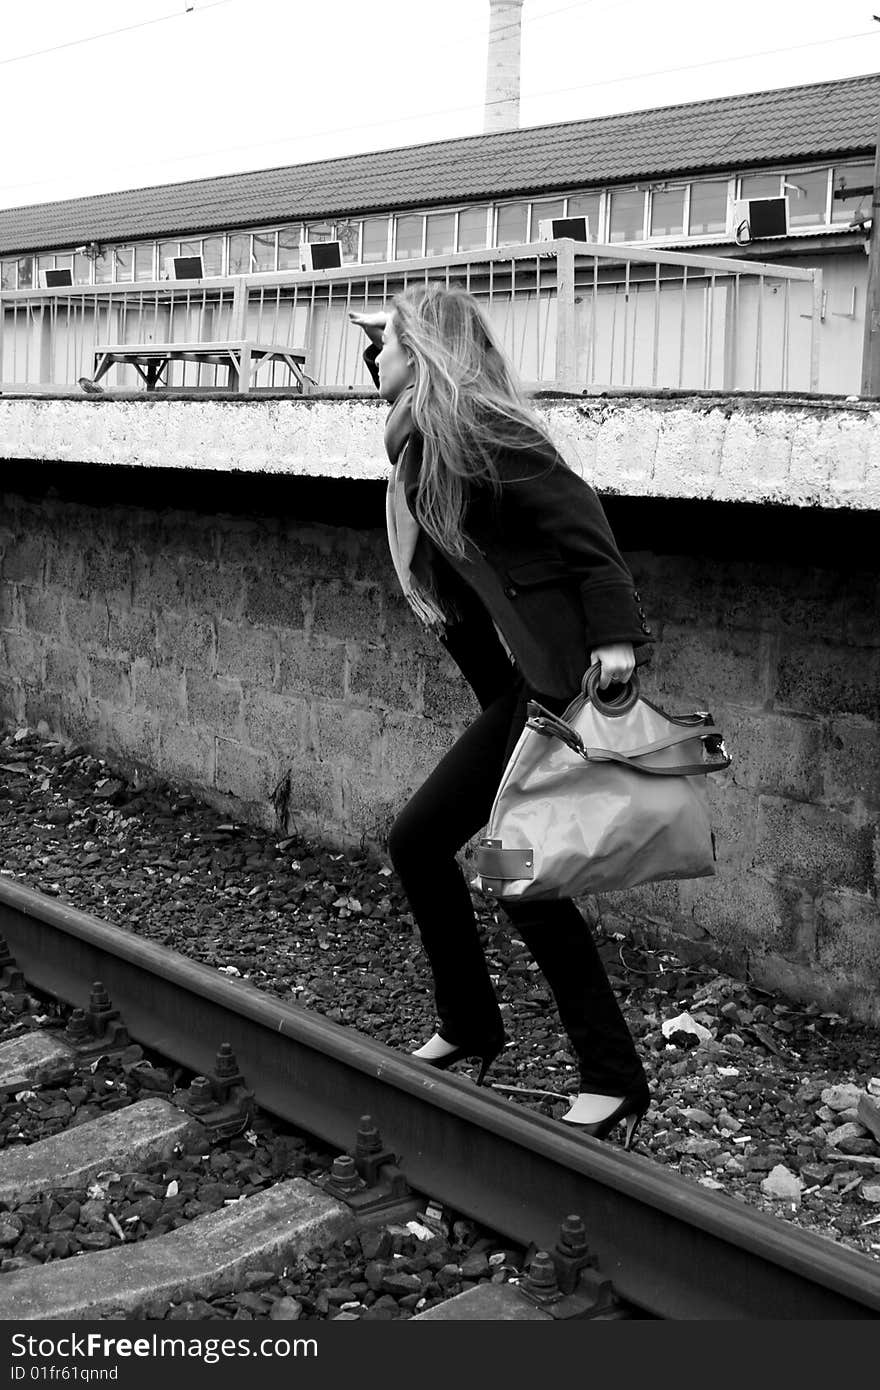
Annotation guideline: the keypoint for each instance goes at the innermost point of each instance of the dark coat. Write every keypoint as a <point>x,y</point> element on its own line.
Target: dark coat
<point>541,563</point>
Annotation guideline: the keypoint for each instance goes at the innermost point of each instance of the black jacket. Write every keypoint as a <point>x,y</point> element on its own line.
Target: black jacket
<point>541,563</point>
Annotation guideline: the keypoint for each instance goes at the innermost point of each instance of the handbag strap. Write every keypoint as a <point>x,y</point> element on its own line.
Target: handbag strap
<point>543,721</point>
<point>607,755</point>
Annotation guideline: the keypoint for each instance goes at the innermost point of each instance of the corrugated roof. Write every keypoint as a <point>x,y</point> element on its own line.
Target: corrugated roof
<point>821,120</point>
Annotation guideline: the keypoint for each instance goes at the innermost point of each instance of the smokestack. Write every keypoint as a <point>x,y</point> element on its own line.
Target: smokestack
<point>502,65</point>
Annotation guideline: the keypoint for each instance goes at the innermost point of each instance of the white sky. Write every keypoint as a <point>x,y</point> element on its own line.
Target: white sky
<point>249,84</point>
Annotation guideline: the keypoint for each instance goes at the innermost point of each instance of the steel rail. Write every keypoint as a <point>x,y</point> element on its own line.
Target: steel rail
<point>670,1247</point>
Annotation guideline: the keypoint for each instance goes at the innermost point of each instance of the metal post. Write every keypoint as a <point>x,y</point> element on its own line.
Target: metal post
<point>871,349</point>
<point>815,326</point>
<point>239,309</point>
<point>41,329</point>
<point>731,323</point>
<point>566,337</point>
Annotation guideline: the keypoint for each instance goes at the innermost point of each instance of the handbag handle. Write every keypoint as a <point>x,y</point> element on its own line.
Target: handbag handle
<point>620,704</point>
<point>551,726</point>
<point>607,755</point>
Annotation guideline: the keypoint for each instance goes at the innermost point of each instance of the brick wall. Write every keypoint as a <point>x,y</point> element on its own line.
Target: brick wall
<point>787,657</point>
<point>264,656</point>
<point>270,663</point>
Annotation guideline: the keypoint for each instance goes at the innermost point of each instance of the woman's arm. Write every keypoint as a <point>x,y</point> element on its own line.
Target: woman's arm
<point>540,493</point>
<point>374,326</point>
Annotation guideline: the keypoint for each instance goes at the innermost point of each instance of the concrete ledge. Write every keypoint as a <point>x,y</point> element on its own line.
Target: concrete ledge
<point>124,1139</point>
<point>795,451</point>
<point>204,1257</point>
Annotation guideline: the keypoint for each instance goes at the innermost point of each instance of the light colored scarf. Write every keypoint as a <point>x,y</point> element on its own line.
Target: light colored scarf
<point>403,529</point>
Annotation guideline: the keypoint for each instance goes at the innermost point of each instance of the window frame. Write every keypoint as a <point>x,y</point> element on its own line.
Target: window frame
<point>628,188</point>
<point>494,212</point>
<point>653,236</point>
<point>704,238</point>
<point>399,217</point>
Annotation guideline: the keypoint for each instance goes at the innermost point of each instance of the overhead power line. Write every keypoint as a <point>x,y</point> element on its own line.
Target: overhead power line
<point>477,106</point>
<point>109,33</point>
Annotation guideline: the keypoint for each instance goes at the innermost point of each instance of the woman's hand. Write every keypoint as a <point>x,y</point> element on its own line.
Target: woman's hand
<point>372,324</point>
<point>617,661</point>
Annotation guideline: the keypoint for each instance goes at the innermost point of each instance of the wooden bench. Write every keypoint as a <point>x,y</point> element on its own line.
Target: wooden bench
<point>242,358</point>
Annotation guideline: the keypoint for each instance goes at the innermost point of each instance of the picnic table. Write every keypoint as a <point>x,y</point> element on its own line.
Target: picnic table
<point>242,358</point>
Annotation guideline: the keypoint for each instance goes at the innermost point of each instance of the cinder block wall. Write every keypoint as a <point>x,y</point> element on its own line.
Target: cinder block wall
<point>266,659</point>
<point>269,663</point>
<point>787,657</point>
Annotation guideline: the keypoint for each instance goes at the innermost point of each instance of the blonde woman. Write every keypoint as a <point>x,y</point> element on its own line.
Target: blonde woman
<point>506,554</point>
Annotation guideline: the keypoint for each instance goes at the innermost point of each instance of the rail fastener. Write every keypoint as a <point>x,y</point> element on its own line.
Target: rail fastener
<point>221,1102</point>
<point>97,1031</point>
<point>12,981</point>
<point>369,1181</point>
<point>566,1282</point>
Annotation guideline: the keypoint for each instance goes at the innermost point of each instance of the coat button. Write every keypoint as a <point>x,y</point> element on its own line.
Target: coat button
<point>637,596</point>
<point>511,591</point>
<point>646,629</point>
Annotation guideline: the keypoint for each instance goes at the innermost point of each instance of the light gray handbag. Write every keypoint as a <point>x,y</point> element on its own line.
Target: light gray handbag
<point>610,794</point>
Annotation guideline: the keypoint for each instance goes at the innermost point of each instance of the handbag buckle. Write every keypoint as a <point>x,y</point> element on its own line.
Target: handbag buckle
<point>551,726</point>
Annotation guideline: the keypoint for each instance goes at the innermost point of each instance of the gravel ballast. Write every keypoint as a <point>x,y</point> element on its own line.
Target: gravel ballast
<point>773,1103</point>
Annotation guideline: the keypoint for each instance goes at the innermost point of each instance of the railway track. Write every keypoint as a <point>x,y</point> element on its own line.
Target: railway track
<point>670,1248</point>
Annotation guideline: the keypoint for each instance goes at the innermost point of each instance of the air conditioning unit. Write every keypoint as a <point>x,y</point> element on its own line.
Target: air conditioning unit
<point>184,268</point>
<point>551,228</point>
<point>320,255</point>
<point>752,219</point>
<point>55,279</point>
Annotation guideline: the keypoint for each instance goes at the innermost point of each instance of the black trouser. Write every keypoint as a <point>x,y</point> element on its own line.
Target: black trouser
<point>447,810</point>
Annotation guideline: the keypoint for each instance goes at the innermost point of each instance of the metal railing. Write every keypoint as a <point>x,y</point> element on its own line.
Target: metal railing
<point>572,316</point>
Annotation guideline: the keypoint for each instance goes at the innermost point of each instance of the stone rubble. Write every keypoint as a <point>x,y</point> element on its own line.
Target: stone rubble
<point>743,1082</point>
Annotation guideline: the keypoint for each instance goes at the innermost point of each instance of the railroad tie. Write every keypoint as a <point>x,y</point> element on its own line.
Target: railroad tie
<point>131,1138</point>
<point>206,1256</point>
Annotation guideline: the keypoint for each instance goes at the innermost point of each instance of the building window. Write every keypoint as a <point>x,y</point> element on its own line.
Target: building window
<point>440,234</point>
<point>104,266</point>
<point>807,194</point>
<point>667,212</point>
<point>82,269</point>
<point>588,205</point>
<point>511,223</point>
<point>288,247</point>
<point>240,253</point>
<point>7,275</point>
<point>124,263</point>
<point>348,236</point>
<point>44,263</point>
<point>760,186</point>
<point>374,246</point>
<point>408,234</point>
<point>543,212</point>
<point>143,260</point>
<point>708,208</point>
<point>264,251</point>
<point>852,176</point>
<point>167,249</point>
<point>319,231</point>
<point>472,224</point>
<point>212,255</point>
<point>627,219</point>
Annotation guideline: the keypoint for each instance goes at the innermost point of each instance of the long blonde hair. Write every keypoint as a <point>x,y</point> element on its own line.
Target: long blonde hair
<point>467,404</point>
